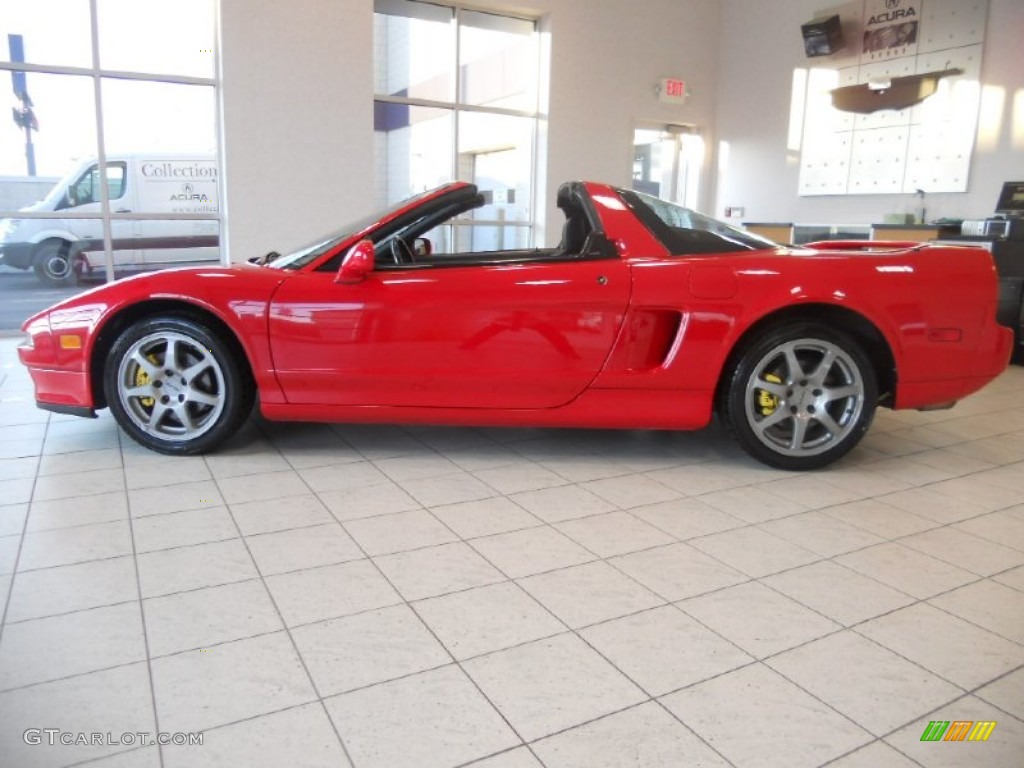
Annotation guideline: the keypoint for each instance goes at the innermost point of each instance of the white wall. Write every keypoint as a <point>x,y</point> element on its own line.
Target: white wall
<point>607,56</point>
<point>298,92</point>
<point>297,119</point>
<point>762,46</point>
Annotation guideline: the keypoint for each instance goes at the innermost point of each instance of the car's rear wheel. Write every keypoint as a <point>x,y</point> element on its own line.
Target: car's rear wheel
<point>175,387</point>
<point>800,396</point>
<point>52,264</point>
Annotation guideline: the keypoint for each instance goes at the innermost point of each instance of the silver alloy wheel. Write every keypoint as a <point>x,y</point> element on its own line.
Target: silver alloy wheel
<point>804,397</point>
<point>171,386</point>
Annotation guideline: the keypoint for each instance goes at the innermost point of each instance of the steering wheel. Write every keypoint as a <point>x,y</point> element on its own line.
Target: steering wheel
<point>400,251</point>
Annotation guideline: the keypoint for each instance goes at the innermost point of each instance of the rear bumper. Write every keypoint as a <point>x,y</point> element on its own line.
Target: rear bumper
<point>990,360</point>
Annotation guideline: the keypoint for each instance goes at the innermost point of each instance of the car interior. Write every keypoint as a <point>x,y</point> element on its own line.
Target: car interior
<point>407,245</point>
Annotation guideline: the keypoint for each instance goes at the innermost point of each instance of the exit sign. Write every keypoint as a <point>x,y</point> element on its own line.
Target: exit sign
<point>672,90</point>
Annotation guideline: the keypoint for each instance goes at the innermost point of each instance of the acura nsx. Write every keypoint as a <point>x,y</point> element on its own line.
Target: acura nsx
<point>646,315</point>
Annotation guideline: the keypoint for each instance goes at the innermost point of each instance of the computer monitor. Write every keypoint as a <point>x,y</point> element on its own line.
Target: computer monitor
<point>1011,200</point>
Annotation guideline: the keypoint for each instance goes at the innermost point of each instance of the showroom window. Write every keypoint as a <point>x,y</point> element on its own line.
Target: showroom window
<point>110,163</point>
<point>457,98</point>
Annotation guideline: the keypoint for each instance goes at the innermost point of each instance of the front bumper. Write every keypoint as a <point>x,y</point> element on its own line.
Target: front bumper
<point>60,376</point>
<point>17,255</point>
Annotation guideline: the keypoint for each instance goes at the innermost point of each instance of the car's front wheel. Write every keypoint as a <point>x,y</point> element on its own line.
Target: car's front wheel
<point>175,387</point>
<point>800,396</point>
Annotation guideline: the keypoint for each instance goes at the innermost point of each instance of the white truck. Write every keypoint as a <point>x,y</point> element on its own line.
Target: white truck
<point>137,183</point>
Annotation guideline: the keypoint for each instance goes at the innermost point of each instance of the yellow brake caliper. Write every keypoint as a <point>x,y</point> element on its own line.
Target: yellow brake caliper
<point>766,400</point>
<point>142,378</point>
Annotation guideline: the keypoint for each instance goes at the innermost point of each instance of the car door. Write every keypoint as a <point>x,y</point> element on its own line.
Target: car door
<point>498,335</point>
<point>83,196</point>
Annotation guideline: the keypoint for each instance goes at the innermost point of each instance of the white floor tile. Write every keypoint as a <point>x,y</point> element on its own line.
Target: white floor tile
<point>326,593</point>
<point>663,649</point>
<point>400,532</point>
<point>534,550</point>
<point>646,735</point>
<point>372,647</point>
<point>912,632</point>
<point>433,719</point>
<point>434,571</point>
<point>196,690</point>
<point>46,649</point>
<point>300,548</point>
<point>114,701</point>
<point>755,717</point>
<point>53,591</point>
<point>870,685</point>
<point>207,617</point>
<point>677,571</point>
<point>491,618</point>
<point>300,737</point>
<point>757,619</point>
<point>550,685</point>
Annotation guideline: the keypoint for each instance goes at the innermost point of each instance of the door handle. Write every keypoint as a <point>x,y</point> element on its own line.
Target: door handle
<point>123,210</point>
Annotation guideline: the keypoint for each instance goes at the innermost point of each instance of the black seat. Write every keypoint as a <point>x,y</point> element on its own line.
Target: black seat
<point>576,227</point>
<point>574,235</point>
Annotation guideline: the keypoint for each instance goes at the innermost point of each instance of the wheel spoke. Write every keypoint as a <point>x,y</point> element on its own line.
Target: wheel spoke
<point>827,361</point>
<point>770,421</point>
<point>145,364</point>
<point>197,396</point>
<point>185,417</point>
<point>796,370</point>
<point>841,393</point>
<point>141,391</point>
<point>197,368</point>
<point>825,419</point>
<point>171,354</point>
<point>799,432</point>
<point>159,411</point>
<point>771,387</point>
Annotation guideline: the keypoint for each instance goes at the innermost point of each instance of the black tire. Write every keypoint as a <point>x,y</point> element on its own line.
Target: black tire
<point>799,396</point>
<point>51,263</point>
<point>175,387</point>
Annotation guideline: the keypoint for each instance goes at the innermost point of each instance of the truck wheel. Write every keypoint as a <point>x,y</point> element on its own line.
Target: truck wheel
<point>800,396</point>
<point>51,263</point>
<point>175,387</point>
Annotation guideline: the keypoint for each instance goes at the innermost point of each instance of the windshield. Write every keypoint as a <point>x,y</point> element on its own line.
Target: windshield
<point>684,231</point>
<point>311,252</point>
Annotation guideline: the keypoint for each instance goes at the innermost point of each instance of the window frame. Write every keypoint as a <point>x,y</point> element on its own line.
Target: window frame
<point>457,107</point>
<point>98,75</point>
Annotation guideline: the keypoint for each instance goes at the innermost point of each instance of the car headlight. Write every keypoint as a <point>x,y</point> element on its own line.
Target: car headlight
<point>7,226</point>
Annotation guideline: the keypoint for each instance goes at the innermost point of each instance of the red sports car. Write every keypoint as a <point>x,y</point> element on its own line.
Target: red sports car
<point>646,315</point>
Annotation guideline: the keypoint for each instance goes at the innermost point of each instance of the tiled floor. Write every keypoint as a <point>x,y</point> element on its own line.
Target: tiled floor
<point>378,596</point>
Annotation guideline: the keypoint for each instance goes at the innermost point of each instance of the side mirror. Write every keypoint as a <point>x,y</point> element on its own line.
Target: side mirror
<point>357,264</point>
<point>422,248</point>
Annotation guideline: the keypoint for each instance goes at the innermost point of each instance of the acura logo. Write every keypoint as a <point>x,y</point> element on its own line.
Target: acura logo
<point>892,4</point>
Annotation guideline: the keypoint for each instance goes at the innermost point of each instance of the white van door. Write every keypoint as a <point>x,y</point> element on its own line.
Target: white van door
<point>178,185</point>
<point>83,196</point>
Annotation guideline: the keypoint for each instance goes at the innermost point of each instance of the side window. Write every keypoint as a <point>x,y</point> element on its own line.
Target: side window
<point>87,189</point>
<point>84,190</point>
<point>116,178</point>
